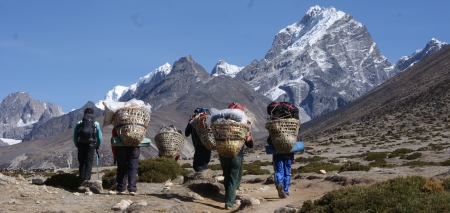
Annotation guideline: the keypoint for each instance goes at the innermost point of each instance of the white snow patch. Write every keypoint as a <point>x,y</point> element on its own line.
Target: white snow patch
<point>10,141</point>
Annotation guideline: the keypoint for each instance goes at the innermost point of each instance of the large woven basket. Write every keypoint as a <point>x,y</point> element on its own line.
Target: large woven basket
<point>230,137</point>
<point>169,143</point>
<point>205,132</point>
<point>283,133</point>
<point>131,124</point>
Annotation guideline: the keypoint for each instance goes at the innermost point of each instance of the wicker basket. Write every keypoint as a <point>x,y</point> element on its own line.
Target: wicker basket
<point>131,124</point>
<point>230,137</point>
<point>283,133</point>
<point>169,143</point>
<point>204,132</point>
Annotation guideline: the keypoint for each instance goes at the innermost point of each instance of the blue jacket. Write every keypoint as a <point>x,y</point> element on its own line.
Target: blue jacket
<point>99,134</point>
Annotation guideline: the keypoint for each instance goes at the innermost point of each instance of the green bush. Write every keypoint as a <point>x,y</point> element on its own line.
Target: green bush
<point>309,160</point>
<point>400,152</point>
<point>255,169</point>
<point>215,167</point>
<point>413,156</point>
<point>69,181</point>
<point>353,166</point>
<point>446,184</point>
<point>108,179</point>
<point>371,156</point>
<point>186,165</point>
<point>315,167</point>
<point>158,170</point>
<point>411,194</point>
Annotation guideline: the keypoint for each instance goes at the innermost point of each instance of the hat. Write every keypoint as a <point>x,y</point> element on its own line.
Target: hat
<point>88,111</point>
<point>202,110</point>
<point>235,105</point>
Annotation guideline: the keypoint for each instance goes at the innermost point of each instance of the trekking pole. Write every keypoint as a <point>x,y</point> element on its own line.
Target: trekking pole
<point>98,175</point>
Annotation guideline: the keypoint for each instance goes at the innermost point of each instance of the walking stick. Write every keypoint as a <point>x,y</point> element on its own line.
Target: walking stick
<point>98,175</point>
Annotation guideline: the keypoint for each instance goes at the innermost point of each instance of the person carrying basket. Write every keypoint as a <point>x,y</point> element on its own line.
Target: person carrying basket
<point>202,155</point>
<point>232,167</point>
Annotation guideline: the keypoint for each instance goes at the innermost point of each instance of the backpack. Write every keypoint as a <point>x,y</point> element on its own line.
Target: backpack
<point>279,110</point>
<point>87,133</point>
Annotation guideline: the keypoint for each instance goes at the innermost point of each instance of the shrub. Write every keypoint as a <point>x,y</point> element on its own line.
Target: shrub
<point>400,152</point>
<point>371,156</point>
<point>158,170</point>
<point>186,165</point>
<point>255,169</point>
<point>69,181</point>
<point>395,195</point>
<point>309,160</point>
<point>353,166</point>
<point>413,156</point>
<point>215,167</point>
<point>315,167</point>
<point>108,179</point>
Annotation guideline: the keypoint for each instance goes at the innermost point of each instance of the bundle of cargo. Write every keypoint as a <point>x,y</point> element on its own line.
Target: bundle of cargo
<point>230,128</point>
<point>169,141</point>
<point>283,133</point>
<point>129,118</point>
<point>204,131</point>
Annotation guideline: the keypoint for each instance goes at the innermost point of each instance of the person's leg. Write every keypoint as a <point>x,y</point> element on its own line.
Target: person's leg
<point>121,178</point>
<point>202,156</point>
<point>287,174</point>
<point>234,180</point>
<point>133,163</point>
<point>81,161</point>
<point>89,161</point>
<point>278,167</point>
<point>225,163</point>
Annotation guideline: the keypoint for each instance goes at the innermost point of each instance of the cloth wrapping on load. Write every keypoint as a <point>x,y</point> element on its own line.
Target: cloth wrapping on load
<point>298,147</point>
<point>129,118</point>
<point>204,131</point>
<point>116,141</point>
<point>169,141</point>
<point>283,133</point>
<point>230,129</point>
<point>227,115</point>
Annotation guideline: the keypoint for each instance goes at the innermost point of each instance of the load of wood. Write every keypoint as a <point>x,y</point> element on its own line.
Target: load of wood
<point>230,128</point>
<point>283,133</point>
<point>169,141</point>
<point>129,118</point>
<point>204,131</point>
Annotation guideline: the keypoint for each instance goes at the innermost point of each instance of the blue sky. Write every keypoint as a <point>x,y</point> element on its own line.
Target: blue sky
<point>72,52</point>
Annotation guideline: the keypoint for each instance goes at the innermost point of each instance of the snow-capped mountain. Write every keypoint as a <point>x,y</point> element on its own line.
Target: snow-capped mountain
<point>319,63</point>
<point>20,114</point>
<point>223,68</point>
<point>119,92</point>
<point>406,61</point>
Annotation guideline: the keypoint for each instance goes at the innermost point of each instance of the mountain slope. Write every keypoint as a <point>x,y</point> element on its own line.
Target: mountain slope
<point>423,88</point>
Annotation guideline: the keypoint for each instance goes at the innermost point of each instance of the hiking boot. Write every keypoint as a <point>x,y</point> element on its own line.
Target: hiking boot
<point>121,193</point>
<point>280,190</point>
<point>230,207</point>
<point>133,193</point>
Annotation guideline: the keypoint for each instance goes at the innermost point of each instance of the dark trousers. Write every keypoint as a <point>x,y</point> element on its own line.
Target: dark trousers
<point>85,160</point>
<point>232,171</point>
<point>202,156</point>
<point>282,169</point>
<point>127,167</point>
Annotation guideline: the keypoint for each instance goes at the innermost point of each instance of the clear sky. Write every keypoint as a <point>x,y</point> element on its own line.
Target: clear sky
<point>72,52</point>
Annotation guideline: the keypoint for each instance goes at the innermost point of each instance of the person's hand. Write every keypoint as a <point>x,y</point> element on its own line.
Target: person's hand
<point>192,117</point>
<point>293,161</point>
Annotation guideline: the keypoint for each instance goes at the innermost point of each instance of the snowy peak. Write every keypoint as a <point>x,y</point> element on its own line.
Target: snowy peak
<point>223,68</point>
<point>118,92</point>
<point>407,61</point>
<point>312,27</point>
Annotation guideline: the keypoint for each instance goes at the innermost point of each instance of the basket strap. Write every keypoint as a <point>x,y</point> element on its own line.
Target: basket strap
<point>124,124</point>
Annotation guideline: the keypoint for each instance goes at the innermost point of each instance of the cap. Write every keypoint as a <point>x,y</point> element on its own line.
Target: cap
<point>235,105</point>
